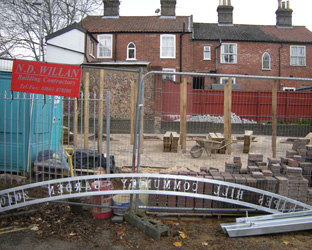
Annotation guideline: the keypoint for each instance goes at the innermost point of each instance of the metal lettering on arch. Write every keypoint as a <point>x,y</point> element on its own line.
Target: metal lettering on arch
<point>154,184</point>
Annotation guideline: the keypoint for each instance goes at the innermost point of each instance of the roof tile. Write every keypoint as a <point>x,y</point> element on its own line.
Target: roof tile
<point>100,24</point>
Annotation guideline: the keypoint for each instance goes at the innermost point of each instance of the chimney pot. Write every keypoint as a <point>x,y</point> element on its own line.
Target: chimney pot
<point>168,7</point>
<point>225,14</point>
<point>284,14</point>
<point>111,8</point>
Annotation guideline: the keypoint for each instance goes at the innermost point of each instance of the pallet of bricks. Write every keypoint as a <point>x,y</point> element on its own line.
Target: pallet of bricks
<point>288,176</point>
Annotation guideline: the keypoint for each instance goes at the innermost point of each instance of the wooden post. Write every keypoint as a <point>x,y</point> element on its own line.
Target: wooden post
<point>86,107</point>
<point>274,117</point>
<point>133,102</point>
<point>75,123</point>
<point>227,113</point>
<point>100,112</point>
<point>183,103</point>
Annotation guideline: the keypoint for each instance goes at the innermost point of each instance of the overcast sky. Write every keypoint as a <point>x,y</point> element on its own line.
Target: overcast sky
<point>245,11</point>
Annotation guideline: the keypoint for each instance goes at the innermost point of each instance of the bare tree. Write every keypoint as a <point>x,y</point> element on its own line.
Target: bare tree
<point>24,23</point>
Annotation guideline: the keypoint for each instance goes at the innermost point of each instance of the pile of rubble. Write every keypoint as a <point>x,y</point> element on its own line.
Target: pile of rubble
<point>220,119</point>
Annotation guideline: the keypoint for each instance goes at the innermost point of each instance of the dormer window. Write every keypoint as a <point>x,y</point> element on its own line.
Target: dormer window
<point>266,61</point>
<point>131,51</point>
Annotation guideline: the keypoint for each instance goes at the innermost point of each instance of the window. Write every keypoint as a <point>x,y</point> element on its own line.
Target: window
<point>105,46</point>
<point>266,61</point>
<point>297,55</point>
<point>229,53</point>
<point>91,48</point>
<point>198,82</point>
<point>131,51</point>
<point>169,77</point>
<point>207,53</point>
<point>224,80</point>
<point>167,46</point>
<point>289,89</point>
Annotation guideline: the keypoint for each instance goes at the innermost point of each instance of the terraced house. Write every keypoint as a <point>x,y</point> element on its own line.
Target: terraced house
<point>167,42</point>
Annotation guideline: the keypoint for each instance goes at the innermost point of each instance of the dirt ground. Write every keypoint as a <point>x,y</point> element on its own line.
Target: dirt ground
<point>154,157</point>
<point>54,226</point>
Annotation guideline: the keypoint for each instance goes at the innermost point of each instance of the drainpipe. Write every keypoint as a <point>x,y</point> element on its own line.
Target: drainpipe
<point>216,64</point>
<point>279,65</point>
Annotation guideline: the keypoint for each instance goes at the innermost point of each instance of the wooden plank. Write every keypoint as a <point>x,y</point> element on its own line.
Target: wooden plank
<point>133,100</point>
<point>274,117</point>
<point>227,113</point>
<point>75,123</point>
<point>247,141</point>
<point>100,112</point>
<point>212,136</point>
<point>183,105</point>
<point>309,137</point>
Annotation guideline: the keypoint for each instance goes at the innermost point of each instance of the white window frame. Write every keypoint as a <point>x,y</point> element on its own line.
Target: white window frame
<point>169,77</point>
<point>264,54</point>
<point>107,39</point>
<point>128,51</point>
<point>289,89</point>
<point>224,80</point>
<point>164,50</point>
<point>91,48</point>
<point>207,52</point>
<point>295,59</point>
<point>224,54</point>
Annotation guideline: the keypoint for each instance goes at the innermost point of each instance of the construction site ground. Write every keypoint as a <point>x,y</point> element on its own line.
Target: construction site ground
<point>154,159</point>
<point>56,226</point>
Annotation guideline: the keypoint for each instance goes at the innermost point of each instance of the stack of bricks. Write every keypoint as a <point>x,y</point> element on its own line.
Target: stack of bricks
<point>284,176</point>
<point>235,166</point>
<point>309,153</point>
<point>274,165</point>
<point>282,185</point>
<point>297,186</point>
<point>309,197</point>
<point>255,159</point>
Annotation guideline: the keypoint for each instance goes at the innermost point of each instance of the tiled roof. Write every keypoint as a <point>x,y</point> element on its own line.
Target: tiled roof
<point>251,33</point>
<point>100,24</point>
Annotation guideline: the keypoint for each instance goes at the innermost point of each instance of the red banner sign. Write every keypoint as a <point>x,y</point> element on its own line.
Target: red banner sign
<point>46,78</point>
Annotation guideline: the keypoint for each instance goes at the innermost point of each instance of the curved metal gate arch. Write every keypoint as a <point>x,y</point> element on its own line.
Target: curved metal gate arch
<point>169,185</point>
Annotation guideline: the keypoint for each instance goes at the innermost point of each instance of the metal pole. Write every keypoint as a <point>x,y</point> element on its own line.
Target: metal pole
<point>107,132</point>
<point>136,132</point>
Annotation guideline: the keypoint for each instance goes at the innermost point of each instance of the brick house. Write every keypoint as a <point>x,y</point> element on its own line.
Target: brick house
<point>176,44</point>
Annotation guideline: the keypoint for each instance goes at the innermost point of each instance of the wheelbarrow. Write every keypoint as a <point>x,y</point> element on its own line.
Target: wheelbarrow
<point>208,146</point>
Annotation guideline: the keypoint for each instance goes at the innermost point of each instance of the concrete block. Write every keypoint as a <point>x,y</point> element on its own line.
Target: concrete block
<point>117,219</point>
<point>147,225</point>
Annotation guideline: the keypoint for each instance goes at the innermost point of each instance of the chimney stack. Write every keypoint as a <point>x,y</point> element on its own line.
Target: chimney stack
<point>111,8</point>
<point>168,8</point>
<point>284,14</point>
<point>225,12</point>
